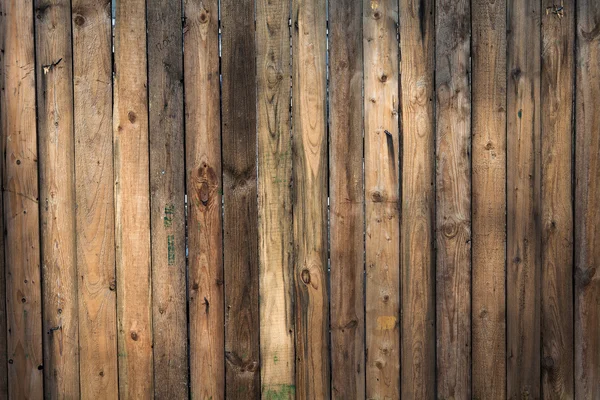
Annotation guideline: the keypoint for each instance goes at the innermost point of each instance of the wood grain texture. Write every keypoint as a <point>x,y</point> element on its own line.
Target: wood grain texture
<point>523,200</point>
<point>92,84</point>
<point>203,164</point>
<point>382,197</point>
<point>240,224</point>
<point>310,197</point>
<point>132,202</point>
<point>346,216</point>
<point>453,199</point>
<point>57,193</point>
<point>274,200</point>
<point>417,48</point>
<point>587,199</point>
<point>3,316</point>
<point>167,198</point>
<point>20,197</point>
<point>488,91</point>
<point>556,124</point>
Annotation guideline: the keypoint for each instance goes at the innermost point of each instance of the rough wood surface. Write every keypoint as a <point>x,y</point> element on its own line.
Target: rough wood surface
<point>92,84</point>
<point>417,48</point>
<point>203,164</point>
<point>346,200</point>
<point>132,202</point>
<point>587,199</point>
<point>20,196</point>
<point>382,197</point>
<point>274,199</point>
<point>556,103</point>
<point>3,316</point>
<point>167,198</point>
<point>310,197</point>
<point>489,199</point>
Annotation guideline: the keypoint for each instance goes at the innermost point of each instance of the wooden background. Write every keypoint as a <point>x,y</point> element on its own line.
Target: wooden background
<point>300,198</point>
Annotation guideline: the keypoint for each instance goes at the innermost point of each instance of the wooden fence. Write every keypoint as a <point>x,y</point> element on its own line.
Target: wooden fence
<point>300,198</point>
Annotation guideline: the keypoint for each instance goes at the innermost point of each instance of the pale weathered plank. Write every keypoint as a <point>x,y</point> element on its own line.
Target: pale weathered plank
<point>523,200</point>
<point>382,186</point>
<point>417,48</point>
<point>310,197</point>
<point>274,199</point>
<point>20,196</point>
<point>92,76</point>
<point>167,198</point>
<point>203,164</point>
<point>132,202</point>
<point>587,200</point>
<point>346,200</point>
<point>489,199</point>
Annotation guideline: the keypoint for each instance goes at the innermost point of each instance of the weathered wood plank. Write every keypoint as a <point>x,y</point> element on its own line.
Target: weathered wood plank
<point>310,197</point>
<point>57,193</point>
<point>453,198</point>
<point>92,76</point>
<point>523,200</point>
<point>274,199</point>
<point>3,316</point>
<point>489,199</point>
<point>167,198</point>
<point>132,200</point>
<point>417,48</point>
<point>346,200</point>
<point>587,199</point>
<point>203,164</point>
<point>20,196</point>
<point>556,81</point>
<point>382,186</point>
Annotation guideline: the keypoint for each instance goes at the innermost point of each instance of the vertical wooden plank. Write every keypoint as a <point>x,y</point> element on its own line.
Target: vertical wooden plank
<point>20,196</point>
<point>346,200</point>
<point>132,211</point>
<point>92,80</point>
<point>203,164</point>
<point>57,194</point>
<point>489,199</point>
<point>417,47</point>
<point>523,200</point>
<point>382,208</point>
<point>453,196</point>
<point>558,36</point>
<point>240,224</point>
<point>274,199</point>
<point>587,199</point>
<point>167,198</point>
<point>3,316</point>
<point>309,85</point>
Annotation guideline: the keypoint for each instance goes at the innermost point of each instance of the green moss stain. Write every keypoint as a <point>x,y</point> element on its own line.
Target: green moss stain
<point>520,113</point>
<point>279,392</point>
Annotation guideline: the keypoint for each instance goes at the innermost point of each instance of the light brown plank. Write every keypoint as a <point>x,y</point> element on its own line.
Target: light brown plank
<point>92,76</point>
<point>523,200</point>
<point>310,197</point>
<point>132,200</point>
<point>453,199</point>
<point>346,200</point>
<point>417,48</point>
<point>57,193</point>
<point>382,186</point>
<point>274,200</point>
<point>3,316</point>
<point>167,198</point>
<point>20,196</point>
<point>203,164</point>
<point>587,199</point>
<point>489,198</point>
<point>556,81</point>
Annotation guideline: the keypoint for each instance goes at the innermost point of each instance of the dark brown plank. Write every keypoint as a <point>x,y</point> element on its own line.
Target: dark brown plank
<point>417,48</point>
<point>489,198</point>
<point>346,200</point>
<point>167,195</point>
<point>523,200</point>
<point>587,199</point>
